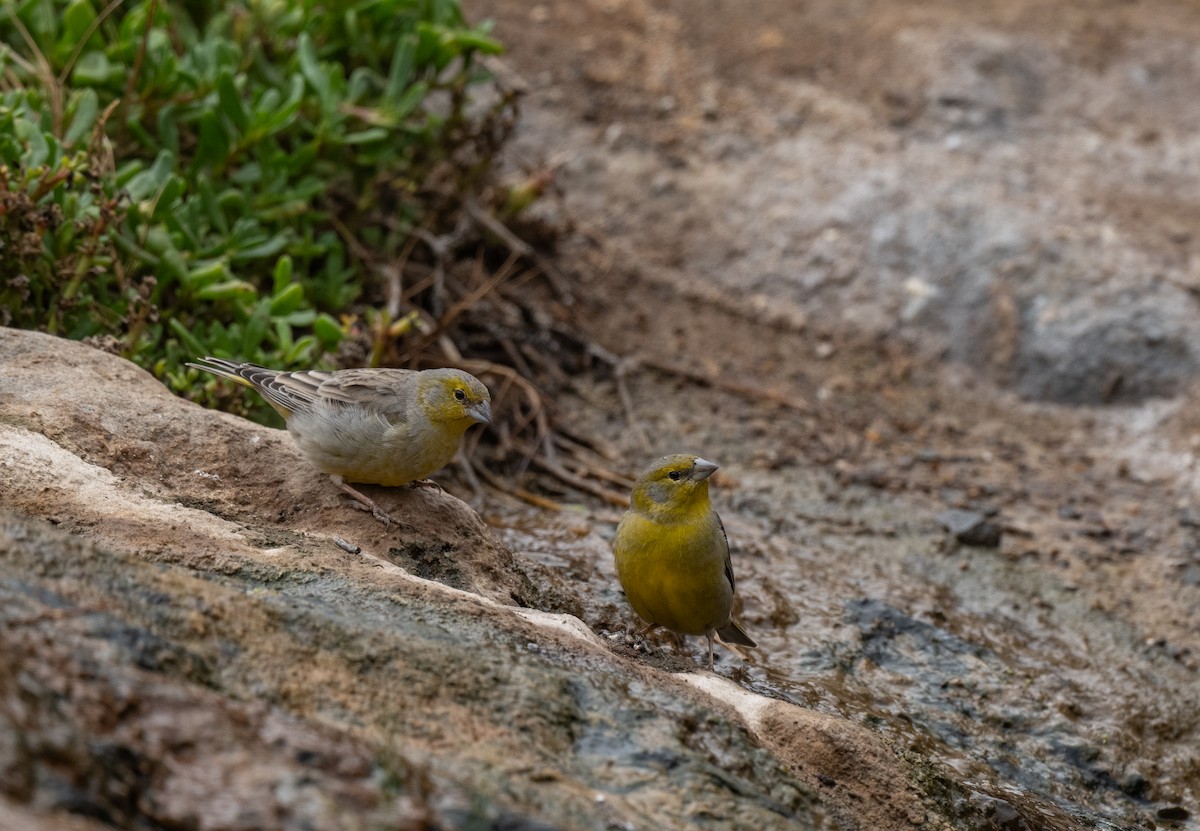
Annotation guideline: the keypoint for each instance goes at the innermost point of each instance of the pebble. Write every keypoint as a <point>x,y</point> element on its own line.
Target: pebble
<point>1173,813</point>
<point>970,527</point>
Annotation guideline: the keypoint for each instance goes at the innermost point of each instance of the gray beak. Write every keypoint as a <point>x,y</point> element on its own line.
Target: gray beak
<point>481,412</point>
<point>701,470</point>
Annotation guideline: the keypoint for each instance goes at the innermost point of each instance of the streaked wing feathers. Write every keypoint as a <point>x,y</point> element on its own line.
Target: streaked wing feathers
<point>728,560</point>
<point>383,391</point>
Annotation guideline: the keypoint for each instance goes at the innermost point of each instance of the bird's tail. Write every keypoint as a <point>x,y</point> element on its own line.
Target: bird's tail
<point>733,633</point>
<point>248,375</point>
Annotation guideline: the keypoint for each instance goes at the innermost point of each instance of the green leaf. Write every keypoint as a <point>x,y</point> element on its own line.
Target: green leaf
<point>41,19</point>
<point>316,74</point>
<point>168,128</point>
<point>93,69</point>
<point>401,70</point>
<point>212,207</point>
<point>361,87</point>
<point>478,42</point>
<point>287,300</point>
<point>350,21</point>
<point>77,17</point>
<point>127,171</point>
<point>170,259</point>
<point>301,351</point>
<point>150,180</point>
<point>304,317</point>
<point>411,98</point>
<point>256,329</point>
<point>36,144</point>
<point>87,106</point>
<point>187,339</point>
<point>283,335</point>
<point>267,248</point>
<point>327,331</point>
<point>167,197</point>
<point>282,276</point>
<point>248,174</point>
<point>230,99</point>
<point>228,290</point>
<point>443,12</point>
<point>213,146</point>
<point>366,136</point>
<point>207,274</point>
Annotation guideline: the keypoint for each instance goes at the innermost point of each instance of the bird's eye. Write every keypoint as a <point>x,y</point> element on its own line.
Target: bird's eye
<point>460,395</point>
<point>675,475</point>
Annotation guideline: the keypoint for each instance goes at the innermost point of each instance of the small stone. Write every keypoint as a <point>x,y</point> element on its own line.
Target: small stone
<point>970,527</point>
<point>1134,784</point>
<point>1173,813</point>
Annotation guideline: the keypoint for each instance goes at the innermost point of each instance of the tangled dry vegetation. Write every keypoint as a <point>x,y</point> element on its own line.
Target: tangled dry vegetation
<point>514,326</point>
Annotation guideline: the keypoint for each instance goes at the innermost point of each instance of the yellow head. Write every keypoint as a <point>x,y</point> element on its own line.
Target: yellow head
<point>674,489</point>
<point>454,398</point>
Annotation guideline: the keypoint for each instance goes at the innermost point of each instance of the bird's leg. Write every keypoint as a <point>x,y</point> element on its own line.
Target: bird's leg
<point>709,635</point>
<point>366,503</point>
<point>647,629</point>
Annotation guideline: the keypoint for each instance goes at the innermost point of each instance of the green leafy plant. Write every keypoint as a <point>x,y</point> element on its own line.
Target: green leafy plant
<point>213,178</point>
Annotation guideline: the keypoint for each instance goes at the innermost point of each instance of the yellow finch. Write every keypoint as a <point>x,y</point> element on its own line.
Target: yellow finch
<point>673,556</point>
<point>374,426</point>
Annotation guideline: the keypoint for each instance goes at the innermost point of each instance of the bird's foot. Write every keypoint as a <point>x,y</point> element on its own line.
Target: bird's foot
<point>426,483</point>
<point>380,514</point>
<point>365,503</point>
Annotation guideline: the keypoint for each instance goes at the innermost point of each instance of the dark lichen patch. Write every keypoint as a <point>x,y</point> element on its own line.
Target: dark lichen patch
<point>432,561</point>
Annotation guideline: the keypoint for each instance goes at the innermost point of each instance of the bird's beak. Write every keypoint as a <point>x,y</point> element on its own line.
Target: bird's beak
<point>481,412</point>
<point>701,470</point>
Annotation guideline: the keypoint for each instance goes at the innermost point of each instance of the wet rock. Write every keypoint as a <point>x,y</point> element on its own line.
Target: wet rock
<point>970,527</point>
<point>901,643</point>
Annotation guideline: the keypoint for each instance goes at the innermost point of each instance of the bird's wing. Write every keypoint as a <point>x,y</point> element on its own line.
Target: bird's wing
<point>387,392</point>
<point>728,561</point>
<point>296,391</point>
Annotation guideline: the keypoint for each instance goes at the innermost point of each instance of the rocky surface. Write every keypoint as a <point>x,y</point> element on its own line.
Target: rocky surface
<point>186,645</point>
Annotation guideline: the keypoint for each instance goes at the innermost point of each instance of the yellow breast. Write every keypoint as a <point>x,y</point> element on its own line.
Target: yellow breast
<point>674,573</point>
